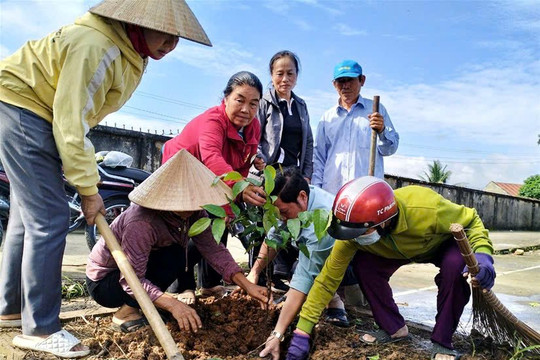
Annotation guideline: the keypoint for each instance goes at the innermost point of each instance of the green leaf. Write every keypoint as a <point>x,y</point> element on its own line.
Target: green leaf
<point>269,179</point>
<point>215,210</point>
<point>272,243</point>
<point>293,225</point>
<point>321,221</point>
<point>235,209</point>
<point>239,187</point>
<point>305,217</point>
<point>285,236</point>
<point>216,180</point>
<point>199,226</point>
<point>232,175</point>
<point>374,357</point>
<point>273,198</point>
<point>303,248</point>
<point>268,206</point>
<point>218,227</point>
<point>254,214</point>
<point>269,220</point>
<point>254,182</point>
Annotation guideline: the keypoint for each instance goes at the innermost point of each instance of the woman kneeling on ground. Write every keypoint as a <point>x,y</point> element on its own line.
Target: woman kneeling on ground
<point>153,233</point>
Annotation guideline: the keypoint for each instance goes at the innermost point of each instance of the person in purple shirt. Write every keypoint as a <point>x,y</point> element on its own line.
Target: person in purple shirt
<point>153,233</point>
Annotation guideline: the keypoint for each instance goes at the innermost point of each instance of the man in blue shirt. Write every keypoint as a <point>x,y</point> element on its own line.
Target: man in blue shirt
<point>342,145</point>
<point>295,196</point>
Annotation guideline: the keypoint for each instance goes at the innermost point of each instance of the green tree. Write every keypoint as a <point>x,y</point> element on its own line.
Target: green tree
<point>531,187</point>
<point>436,173</point>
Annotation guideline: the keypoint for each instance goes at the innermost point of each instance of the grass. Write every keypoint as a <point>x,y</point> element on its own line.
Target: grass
<point>72,289</point>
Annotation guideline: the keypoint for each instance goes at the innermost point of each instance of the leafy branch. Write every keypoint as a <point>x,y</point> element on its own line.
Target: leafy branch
<point>259,221</point>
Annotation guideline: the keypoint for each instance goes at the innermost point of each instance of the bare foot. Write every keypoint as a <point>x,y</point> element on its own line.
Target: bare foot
<point>126,313</point>
<point>404,331</point>
<point>187,297</point>
<point>10,317</point>
<point>444,357</point>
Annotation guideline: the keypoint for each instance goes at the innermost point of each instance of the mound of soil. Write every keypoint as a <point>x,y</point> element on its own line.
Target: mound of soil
<point>235,327</point>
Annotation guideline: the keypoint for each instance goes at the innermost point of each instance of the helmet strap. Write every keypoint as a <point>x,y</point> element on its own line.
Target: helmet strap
<point>388,226</point>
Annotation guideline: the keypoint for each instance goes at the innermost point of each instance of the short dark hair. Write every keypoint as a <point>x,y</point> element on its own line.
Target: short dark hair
<point>243,78</point>
<point>282,54</point>
<point>289,183</point>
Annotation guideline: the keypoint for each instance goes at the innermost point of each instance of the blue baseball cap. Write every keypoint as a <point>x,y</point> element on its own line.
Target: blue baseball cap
<point>347,68</point>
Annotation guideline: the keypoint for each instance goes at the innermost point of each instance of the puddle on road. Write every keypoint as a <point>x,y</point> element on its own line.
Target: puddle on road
<point>420,307</point>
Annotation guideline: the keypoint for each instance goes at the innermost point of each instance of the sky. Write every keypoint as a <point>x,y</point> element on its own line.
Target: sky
<point>460,79</point>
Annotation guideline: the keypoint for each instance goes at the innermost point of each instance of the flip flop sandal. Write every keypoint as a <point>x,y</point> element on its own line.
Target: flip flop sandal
<point>130,326</point>
<point>60,344</point>
<point>439,349</point>
<point>337,317</point>
<point>381,337</point>
<point>10,323</point>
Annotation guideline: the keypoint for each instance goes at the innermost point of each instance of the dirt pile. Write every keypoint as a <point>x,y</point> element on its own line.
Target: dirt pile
<point>235,326</point>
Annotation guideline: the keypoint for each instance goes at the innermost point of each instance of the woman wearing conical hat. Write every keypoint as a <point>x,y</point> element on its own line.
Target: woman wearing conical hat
<point>153,233</point>
<point>52,91</point>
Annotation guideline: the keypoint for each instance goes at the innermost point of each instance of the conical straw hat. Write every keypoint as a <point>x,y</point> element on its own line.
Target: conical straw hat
<point>183,183</point>
<point>168,16</point>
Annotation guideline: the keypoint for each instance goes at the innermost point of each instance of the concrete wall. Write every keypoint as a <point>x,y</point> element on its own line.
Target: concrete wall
<point>499,212</point>
<point>145,148</point>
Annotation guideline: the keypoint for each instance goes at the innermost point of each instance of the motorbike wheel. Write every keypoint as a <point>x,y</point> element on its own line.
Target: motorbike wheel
<point>1,232</point>
<point>113,208</point>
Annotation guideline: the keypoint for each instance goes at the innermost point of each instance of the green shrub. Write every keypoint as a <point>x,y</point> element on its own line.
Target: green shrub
<point>531,187</point>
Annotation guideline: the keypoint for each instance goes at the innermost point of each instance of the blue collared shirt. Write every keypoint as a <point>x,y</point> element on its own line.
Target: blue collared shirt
<point>342,145</point>
<point>307,269</point>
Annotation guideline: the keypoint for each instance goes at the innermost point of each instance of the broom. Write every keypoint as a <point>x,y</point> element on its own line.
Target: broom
<point>490,316</point>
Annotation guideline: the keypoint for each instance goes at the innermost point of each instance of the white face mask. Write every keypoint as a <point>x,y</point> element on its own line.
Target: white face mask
<point>368,239</point>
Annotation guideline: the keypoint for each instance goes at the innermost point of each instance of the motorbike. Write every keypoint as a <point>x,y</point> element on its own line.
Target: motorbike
<point>117,179</point>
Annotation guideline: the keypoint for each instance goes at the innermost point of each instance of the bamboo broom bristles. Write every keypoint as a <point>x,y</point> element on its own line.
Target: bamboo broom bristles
<point>490,316</point>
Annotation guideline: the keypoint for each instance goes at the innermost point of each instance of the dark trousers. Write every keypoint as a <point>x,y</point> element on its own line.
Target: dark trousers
<point>165,265</point>
<point>207,276</point>
<point>373,273</point>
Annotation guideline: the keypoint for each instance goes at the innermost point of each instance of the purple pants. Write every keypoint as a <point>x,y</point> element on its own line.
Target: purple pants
<point>373,273</point>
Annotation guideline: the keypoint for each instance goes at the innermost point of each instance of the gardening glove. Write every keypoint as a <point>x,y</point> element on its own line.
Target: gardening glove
<point>486,274</point>
<point>299,347</point>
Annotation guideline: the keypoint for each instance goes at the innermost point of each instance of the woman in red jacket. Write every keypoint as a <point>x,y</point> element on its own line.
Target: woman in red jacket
<point>224,138</point>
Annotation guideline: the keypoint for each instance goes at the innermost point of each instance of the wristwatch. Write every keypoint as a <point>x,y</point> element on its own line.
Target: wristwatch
<point>278,335</point>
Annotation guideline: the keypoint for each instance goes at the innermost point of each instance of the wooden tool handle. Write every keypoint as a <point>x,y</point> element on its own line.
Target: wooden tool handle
<point>373,149</point>
<point>465,248</point>
<point>147,306</point>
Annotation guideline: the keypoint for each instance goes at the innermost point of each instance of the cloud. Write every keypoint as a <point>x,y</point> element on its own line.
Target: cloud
<point>222,59</point>
<point>523,15</point>
<point>38,18</point>
<point>346,30</point>
<point>320,5</point>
